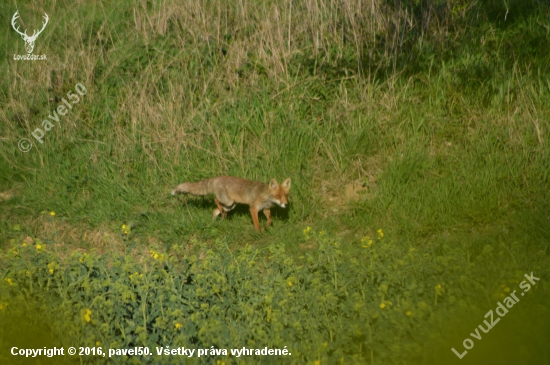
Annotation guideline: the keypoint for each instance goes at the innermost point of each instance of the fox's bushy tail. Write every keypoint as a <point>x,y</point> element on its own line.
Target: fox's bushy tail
<point>194,188</point>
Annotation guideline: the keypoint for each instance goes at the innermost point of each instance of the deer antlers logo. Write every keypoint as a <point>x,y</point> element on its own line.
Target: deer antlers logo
<point>29,41</point>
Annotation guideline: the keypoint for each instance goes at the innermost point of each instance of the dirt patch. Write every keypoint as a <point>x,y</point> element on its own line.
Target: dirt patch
<point>340,195</point>
<point>340,191</point>
<point>307,246</point>
<point>8,194</point>
<point>355,191</point>
<point>67,238</point>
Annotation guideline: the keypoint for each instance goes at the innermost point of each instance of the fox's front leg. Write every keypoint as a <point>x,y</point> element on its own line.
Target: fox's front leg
<point>267,214</point>
<point>254,214</point>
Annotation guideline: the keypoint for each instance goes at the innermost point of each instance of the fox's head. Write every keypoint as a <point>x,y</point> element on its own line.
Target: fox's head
<point>279,193</point>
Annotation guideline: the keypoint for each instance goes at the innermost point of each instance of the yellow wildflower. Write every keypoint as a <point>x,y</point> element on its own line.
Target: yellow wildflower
<point>52,213</point>
<point>366,241</point>
<point>408,313</point>
<point>382,305</point>
<point>178,325</point>
<point>126,229</point>
<point>97,343</point>
<point>380,233</point>
<point>156,255</point>
<point>438,289</point>
<point>87,315</point>
<point>306,232</point>
<point>3,305</point>
<point>9,281</point>
<point>39,247</point>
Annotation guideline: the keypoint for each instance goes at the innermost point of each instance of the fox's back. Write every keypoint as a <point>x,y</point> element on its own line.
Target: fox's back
<point>241,190</point>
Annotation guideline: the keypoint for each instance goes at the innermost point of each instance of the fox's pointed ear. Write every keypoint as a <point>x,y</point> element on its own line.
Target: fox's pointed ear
<point>273,184</point>
<point>286,184</point>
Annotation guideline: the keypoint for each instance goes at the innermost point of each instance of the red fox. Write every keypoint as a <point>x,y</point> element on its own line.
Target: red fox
<point>230,190</point>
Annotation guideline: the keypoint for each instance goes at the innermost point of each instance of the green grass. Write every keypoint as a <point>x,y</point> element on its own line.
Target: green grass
<point>443,125</point>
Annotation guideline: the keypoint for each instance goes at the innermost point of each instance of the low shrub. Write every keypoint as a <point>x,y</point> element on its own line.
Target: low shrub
<point>370,301</point>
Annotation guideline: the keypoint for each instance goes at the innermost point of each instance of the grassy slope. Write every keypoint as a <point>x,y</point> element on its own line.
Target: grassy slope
<point>452,146</point>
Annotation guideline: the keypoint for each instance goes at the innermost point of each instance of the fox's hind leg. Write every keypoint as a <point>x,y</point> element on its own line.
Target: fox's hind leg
<point>223,208</point>
<point>219,210</point>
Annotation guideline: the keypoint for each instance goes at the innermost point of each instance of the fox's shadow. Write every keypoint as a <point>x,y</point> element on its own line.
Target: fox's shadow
<point>278,213</point>
<point>198,202</point>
